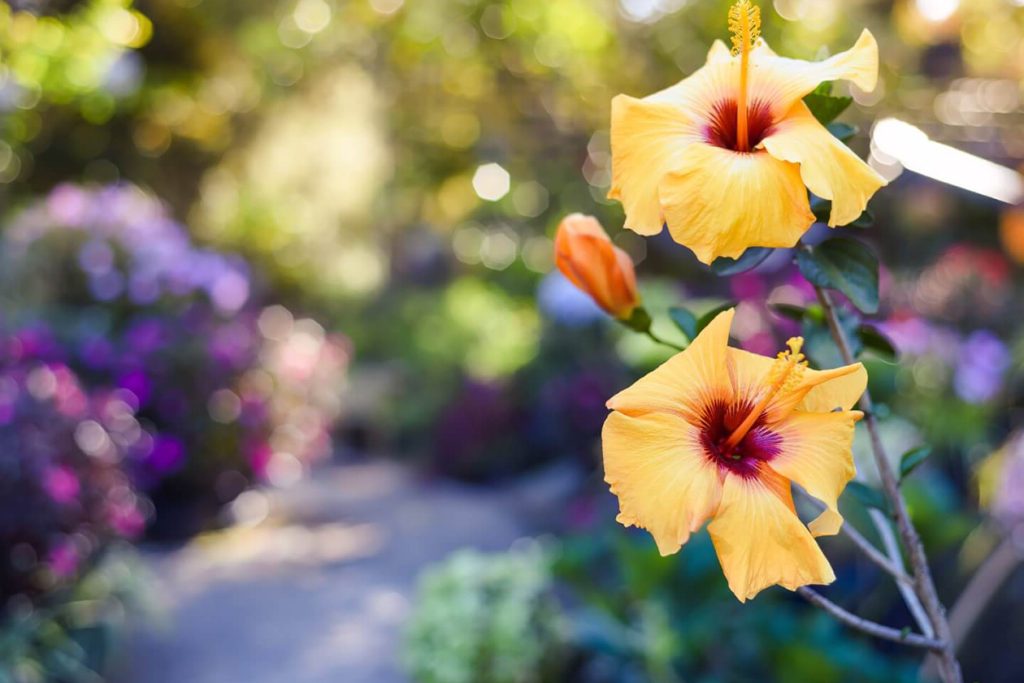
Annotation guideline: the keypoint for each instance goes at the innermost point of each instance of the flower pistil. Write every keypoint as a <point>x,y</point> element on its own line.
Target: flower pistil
<point>745,25</point>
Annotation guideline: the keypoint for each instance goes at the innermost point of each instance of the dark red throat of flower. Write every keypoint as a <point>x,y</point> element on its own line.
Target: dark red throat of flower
<point>721,128</point>
<point>757,446</point>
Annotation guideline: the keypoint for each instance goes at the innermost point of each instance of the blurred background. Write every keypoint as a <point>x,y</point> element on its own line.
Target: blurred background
<point>289,390</point>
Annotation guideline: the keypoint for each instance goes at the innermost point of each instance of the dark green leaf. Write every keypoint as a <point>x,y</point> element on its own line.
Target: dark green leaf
<point>706,319</point>
<point>912,458</point>
<point>790,311</point>
<point>868,496</point>
<point>750,259</point>
<point>685,321</point>
<point>843,131</point>
<point>845,265</point>
<point>822,210</point>
<point>865,220</point>
<point>875,341</point>
<point>826,108</point>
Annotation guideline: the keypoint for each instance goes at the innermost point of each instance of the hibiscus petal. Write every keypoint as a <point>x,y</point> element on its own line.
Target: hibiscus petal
<point>685,382</point>
<point>819,391</point>
<point>829,168</point>
<point>783,81</point>
<point>647,139</point>
<point>718,53</point>
<point>657,468</point>
<point>841,392</point>
<point>815,453</point>
<point>759,539</point>
<point>719,203</point>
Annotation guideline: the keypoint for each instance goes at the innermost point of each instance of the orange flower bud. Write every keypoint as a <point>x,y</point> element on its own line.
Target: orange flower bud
<point>588,258</point>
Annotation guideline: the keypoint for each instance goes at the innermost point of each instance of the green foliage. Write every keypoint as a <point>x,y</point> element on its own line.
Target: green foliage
<point>640,321</point>
<point>912,458</point>
<point>684,320</point>
<point>845,265</point>
<point>867,496</point>
<point>691,325</point>
<point>825,106</point>
<point>822,209</point>
<point>669,619</point>
<point>484,619</point>
<point>69,637</point>
<point>874,340</point>
<point>844,132</point>
<point>749,260</point>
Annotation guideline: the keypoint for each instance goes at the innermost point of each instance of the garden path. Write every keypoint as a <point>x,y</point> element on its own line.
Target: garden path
<point>318,590</point>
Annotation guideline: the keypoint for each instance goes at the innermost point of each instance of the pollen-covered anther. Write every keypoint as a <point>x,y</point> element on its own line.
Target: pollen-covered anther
<point>785,375</point>
<point>745,26</point>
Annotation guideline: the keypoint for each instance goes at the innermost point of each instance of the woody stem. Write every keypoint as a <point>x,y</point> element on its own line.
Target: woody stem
<point>867,626</point>
<point>924,585</point>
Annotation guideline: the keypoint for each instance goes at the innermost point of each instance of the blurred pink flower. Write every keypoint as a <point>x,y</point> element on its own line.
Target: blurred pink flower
<point>61,484</point>
<point>64,558</point>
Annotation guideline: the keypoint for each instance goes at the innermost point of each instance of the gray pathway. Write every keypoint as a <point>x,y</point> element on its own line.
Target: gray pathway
<point>315,588</point>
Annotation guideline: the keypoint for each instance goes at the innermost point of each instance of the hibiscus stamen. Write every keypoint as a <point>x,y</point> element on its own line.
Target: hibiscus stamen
<point>784,376</point>
<point>745,25</point>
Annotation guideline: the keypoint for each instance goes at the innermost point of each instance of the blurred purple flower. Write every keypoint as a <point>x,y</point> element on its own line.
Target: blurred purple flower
<point>564,303</point>
<point>167,454</point>
<point>64,559</point>
<point>61,484</point>
<point>983,361</point>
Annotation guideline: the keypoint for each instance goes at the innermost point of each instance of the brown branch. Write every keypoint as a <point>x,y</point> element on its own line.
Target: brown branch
<point>867,626</point>
<point>867,547</point>
<point>949,667</point>
<point>892,547</point>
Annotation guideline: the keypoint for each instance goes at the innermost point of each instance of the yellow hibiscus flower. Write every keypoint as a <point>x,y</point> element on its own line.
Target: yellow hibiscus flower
<point>724,157</point>
<point>719,434</point>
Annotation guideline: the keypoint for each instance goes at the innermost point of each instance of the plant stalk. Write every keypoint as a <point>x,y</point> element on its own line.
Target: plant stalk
<point>924,585</point>
<point>867,626</point>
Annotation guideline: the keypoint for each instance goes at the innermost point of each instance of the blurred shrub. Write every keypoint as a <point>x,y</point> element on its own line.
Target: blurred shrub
<point>104,280</point>
<point>68,635</point>
<point>484,619</point>
<point>63,496</point>
<point>65,501</point>
<point>637,616</point>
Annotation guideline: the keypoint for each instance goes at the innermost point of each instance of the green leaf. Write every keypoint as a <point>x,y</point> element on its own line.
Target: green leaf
<point>706,319</point>
<point>845,265</point>
<point>822,210</point>
<point>789,311</point>
<point>912,458</point>
<point>874,340</point>
<point>843,131</point>
<point>685,321</point>
<point>825,106</point>
<point>868,496</point>
<point>750,259</point>
<point>865,220</point>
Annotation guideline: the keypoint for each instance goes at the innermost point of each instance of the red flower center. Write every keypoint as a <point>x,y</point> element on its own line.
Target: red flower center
<point>720,130</point>
<point>760,444</point>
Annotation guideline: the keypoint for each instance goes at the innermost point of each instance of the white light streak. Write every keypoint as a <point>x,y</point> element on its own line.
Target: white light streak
<point>893,140</point>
